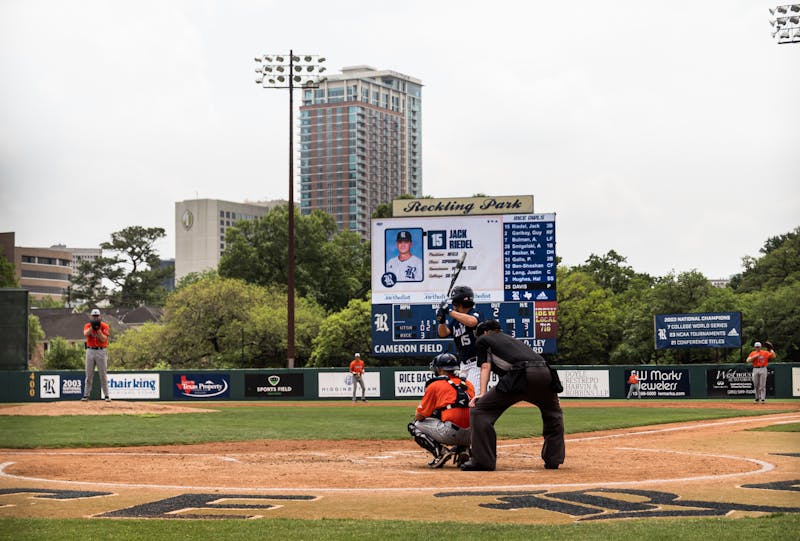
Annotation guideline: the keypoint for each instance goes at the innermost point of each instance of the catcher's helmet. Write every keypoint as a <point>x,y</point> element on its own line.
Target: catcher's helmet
<point>486,326</point>
<point>445,361</point>
<point>464,296</point>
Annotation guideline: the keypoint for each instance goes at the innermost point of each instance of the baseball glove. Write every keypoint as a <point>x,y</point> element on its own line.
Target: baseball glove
<point>769,346</point>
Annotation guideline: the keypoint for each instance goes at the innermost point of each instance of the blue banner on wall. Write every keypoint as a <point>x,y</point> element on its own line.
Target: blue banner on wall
<point>704,330</point>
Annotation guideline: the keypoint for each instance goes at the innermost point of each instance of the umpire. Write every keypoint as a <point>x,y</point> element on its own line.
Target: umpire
<point>524,375</point>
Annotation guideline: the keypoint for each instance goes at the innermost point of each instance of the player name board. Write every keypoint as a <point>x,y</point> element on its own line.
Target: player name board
<point>510,264</point>
<point>703,330</point>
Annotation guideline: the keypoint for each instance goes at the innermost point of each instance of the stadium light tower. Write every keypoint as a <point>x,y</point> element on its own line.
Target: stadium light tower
<point>290,71</point>
<point>786,24</point>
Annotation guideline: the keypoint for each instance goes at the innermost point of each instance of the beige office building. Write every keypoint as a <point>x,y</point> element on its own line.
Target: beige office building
<point>44,272</point>
<point>200,226</point>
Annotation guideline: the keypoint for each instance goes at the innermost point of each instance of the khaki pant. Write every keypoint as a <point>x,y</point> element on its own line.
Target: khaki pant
<point>98,358</point>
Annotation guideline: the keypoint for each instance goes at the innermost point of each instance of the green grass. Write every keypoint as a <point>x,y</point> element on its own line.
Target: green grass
<point>788,427</point>
<point>774,527</point>
<point>308,423</point>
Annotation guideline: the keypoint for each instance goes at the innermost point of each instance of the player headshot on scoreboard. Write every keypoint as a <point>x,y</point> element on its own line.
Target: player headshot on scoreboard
<point>403,255</point>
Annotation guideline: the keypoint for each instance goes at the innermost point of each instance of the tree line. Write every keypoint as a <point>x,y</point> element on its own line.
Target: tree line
<point>235,316</point>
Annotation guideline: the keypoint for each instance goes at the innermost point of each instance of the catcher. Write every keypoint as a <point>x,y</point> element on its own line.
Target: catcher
<point>442,416</point>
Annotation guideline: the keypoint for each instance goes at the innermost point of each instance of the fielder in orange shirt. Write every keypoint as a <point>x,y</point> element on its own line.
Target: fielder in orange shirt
<point>635,386</point>
<point>760,358</point>
<point>357,372</point>
<point>442,416</point>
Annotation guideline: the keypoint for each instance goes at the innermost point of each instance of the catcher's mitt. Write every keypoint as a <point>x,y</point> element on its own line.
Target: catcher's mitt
<point>769,346</point>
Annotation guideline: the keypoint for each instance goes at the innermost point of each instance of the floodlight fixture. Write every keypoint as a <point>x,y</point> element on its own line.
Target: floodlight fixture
<point>786,24</point>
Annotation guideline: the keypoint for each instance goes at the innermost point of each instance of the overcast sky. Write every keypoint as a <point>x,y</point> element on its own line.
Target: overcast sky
<point>667,131</point>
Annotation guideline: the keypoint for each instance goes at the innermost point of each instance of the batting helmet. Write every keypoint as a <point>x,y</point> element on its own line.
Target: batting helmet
<point>464,296</point>
<point>445,361</point>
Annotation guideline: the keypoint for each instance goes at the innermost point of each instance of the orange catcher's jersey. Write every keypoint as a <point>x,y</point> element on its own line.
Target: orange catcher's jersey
<point>440,394</point>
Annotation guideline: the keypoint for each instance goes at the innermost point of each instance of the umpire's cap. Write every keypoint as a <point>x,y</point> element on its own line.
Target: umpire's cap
<point>403,235</point>
<point>486,326</point>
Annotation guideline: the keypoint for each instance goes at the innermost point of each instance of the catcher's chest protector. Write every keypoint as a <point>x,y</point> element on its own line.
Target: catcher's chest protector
<point>462,398</point>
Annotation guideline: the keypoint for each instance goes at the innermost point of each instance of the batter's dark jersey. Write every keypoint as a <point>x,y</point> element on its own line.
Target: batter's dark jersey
<point>464,337</point>
<point>506,352</point>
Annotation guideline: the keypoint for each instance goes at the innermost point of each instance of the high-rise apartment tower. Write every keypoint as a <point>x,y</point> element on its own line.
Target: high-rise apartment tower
<point>360,144</point>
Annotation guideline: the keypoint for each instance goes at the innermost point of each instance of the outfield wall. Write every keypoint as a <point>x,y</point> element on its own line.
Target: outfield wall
<point>714,381</point>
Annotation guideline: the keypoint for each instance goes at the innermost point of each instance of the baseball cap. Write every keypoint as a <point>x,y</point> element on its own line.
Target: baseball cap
<point>757,345</point>
<point>95,312</point>
<point>357,355</point>
<point>403,235</point>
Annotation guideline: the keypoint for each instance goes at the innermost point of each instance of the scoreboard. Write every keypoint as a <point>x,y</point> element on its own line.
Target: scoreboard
<point>510,264</point>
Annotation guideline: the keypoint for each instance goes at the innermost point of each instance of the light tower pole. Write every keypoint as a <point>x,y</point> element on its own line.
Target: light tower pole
<point>288,71</point>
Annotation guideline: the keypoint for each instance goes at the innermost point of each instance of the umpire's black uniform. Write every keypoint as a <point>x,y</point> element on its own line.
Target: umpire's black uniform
<point>503,352</point>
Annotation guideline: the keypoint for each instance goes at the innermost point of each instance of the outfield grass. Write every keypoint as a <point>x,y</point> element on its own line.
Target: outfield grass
<point>774,527</point>
<point>247,423</point>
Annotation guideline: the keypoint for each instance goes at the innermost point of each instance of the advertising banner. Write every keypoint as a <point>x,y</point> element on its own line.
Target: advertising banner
<point>201,386</point>
<point>661,382</point>
<point>795,381</point>
<point>340,384</point>
<point>704,330</point>
<point>273,385</point>
<point>510,265</point>
<point>133,386</point>
<point>411,383</point>
<point>584,383</point>
<point>58,387</point>
<point>736,382</point>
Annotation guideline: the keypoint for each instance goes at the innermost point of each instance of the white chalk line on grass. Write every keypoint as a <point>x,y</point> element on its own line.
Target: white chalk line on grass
<point>776,420</point>
<point>763,467</point>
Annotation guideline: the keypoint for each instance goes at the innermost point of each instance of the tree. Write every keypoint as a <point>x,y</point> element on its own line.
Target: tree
<point>610,272</point>
<point>8,277</point>
<point>386,210</point>
<point>343,333</point>
<point>774,315</point>
<point>35,333</point>
<point>585,319</point>
<point>140,348</point>
<point>330,267</point>
<point>62,356</point>
<point>89,282</point>
<point>201,319</point>
<point>133,270</point>
<point>780,264</point>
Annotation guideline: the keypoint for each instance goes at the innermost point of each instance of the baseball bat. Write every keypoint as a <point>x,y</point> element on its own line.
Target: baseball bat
<point>456,272</point>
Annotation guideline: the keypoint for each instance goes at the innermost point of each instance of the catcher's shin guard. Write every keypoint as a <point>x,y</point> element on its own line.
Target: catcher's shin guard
<point>425,441</point>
